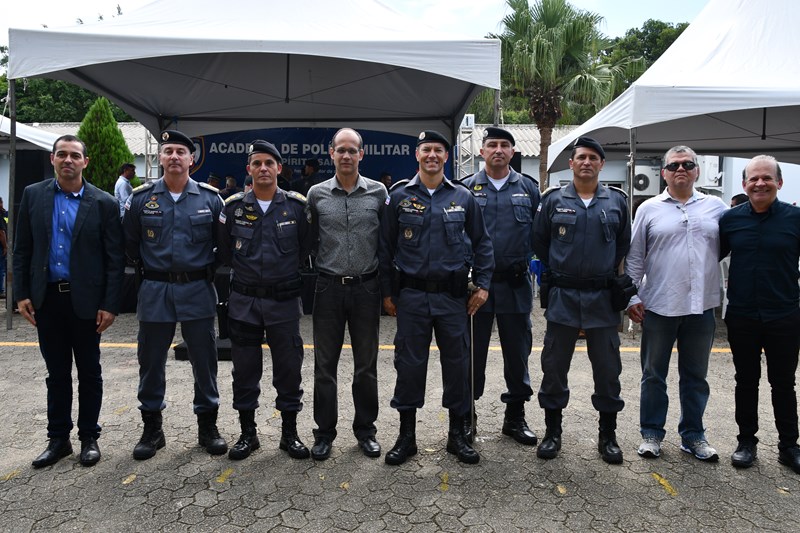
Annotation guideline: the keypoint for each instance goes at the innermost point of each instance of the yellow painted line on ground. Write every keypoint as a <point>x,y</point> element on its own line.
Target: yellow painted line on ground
<point>664,483</point>
<point>10,475</point>
<point>225,475</point>
<point>384,347</point>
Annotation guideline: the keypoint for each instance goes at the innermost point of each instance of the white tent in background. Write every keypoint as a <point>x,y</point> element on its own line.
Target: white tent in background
<point>729,85</point>
<point>41,138</point>
<point>205,66</point>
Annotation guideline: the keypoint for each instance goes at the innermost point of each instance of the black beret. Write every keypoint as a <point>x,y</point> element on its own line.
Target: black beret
<point>263,147</point>
<point>588,142</point>
<point>498,133</point>
<point>176,137</point>
<point>430,136</point>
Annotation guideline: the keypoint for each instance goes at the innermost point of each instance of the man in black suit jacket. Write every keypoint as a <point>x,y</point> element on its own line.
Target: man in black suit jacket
<point>68,269</point>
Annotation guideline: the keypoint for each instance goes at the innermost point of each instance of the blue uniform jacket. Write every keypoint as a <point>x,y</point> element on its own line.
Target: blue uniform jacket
<point>173,236</point>
<point>508,215</point>
<point>582,242</point>
<point>423,236</point>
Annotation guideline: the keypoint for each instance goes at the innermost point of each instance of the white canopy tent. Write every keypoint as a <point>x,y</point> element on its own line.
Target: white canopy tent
<point>41,138</point>
<point>206,67</point>
<point>729,85</point>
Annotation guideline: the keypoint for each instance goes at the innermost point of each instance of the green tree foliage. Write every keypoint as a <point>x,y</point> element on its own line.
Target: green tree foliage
<point>551,57</point>
<point>105,145</point>
<point>649,42</point>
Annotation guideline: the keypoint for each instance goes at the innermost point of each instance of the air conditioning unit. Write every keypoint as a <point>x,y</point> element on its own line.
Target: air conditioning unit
<point>710,174</point>
<point>646,180</point>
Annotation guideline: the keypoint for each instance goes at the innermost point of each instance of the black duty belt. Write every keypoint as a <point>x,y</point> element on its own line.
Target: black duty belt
<point>349,280</point>
<point>258,291</point>
<point>581,283</point>
<point>176,277</point>
<point>508,275</point>
<point>60,286</point>
<point>426,285</point>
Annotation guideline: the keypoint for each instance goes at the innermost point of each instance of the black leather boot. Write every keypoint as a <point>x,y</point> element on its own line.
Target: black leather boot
<point>56,449</point>
<point>290,442</point>
<point>207,434</point>
<point>551,443</point>
<point>406,445</point>
<point>607,439</point>
<point>248,440</point>
<point>456,442</point>
<point>470,429</point>
<point>515,426</point>
<point>152,436</point>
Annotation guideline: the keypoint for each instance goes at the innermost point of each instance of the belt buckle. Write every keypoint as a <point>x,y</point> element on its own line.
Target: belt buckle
<point>63,287</point>
<point>179,277</point>
<point>347,280</point>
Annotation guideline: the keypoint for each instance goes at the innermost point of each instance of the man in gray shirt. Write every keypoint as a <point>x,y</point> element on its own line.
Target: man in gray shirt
<point>123,187</point>
<point>344,213</point>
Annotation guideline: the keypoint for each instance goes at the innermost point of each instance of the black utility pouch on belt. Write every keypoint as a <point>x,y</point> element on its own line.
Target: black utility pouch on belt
<point>622,290</point>
<point>286,290</point>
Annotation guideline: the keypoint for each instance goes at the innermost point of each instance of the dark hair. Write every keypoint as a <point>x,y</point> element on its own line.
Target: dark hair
<point>126,166</point>
<point>70,139</point>
<point>738,199</point>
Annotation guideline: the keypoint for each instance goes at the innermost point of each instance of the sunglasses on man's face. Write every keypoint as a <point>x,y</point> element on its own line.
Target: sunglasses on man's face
<point>687,165</point>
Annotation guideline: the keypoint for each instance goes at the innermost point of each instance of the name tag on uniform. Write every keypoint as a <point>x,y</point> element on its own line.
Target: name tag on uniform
<point>565,210</point>
<point>287,223</point>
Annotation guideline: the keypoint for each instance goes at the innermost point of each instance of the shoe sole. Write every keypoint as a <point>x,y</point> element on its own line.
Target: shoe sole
<point>612,460</point>
<point>789,463</point>
<point>390,460</point>
<point>711,459</point>
<point>303,454</point>
<point>233,455</point>
<point>743,464</point>
<point>647,454</point>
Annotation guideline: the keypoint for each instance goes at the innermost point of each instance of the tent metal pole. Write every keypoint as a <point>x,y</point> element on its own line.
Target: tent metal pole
<point>631,171</point>
<point>12,170</point>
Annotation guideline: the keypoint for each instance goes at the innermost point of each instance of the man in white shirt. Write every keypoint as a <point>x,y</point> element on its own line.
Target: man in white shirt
<point>673,260</point>
<point>123,188</point>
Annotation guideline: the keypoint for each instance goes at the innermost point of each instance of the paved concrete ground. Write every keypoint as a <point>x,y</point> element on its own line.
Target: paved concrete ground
<point>184,489</point>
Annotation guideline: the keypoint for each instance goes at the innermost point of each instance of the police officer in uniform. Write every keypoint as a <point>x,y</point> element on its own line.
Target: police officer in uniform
<point>581,234</point>
<point>263,236</point>
<point>424,266</point>
<point>170,231</point>
<point>508,201</point>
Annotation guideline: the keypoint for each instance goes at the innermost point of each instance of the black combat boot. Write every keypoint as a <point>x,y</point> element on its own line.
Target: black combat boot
<point>406,445</point>
<point>456,442</point>
<point>607,440</point>
<point>290,442</point>
<point>515,426</point>
<point>207,434</point>
<point>152,436</point>
<point>551,443</point>
<point>248,441</point>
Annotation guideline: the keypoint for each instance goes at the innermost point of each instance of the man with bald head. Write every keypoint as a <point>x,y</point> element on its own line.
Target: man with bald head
<point>344,213</point>
<point>762,237</point>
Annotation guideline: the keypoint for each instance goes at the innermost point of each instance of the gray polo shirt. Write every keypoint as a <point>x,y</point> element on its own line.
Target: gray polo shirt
<point>346,227</point>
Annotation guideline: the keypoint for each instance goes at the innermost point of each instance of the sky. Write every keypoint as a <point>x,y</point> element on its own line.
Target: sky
<point>472,18</point>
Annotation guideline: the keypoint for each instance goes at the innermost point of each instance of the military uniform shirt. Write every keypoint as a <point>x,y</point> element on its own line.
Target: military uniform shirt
<point>263,249</point>
<point>585,243</point>
<point>173,236</point>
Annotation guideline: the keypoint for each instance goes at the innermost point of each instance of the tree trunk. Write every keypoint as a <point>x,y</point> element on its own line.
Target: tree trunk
<point>546,134</point>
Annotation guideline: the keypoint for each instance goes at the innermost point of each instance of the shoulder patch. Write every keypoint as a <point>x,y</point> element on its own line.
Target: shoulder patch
<point>296,196</point>
<point>232,198</point>
<point>142,187</point>
<point>617,189</point>
<point>551,189</point>
<point>205,185</point>
<point>399,184</point>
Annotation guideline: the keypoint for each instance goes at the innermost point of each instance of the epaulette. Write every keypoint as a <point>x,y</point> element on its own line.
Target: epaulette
<point>398,184</point>
<point>205,185</point>
<point>531,178</point>
<point>551,189</point>
<point>623,193</point>
<point>294,195</point>
<point>234,197</point>
<point>142,187</point>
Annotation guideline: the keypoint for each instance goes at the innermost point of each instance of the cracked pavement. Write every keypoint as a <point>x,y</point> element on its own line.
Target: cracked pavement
<point>184,489</point>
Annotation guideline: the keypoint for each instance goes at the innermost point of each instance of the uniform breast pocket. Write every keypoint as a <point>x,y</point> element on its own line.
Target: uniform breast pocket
<point>564,226</point>
<point>201,227</point>
<point>454,226</point>
<point>482,201</point>
<point>610,226</point>
<point>151,229</point>
<point>287,236</point>
<point>241,238</point>
<point>522,209</point>
<point>410,228</point>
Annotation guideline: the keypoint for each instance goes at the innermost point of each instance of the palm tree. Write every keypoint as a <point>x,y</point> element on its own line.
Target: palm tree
<point>551,56</point>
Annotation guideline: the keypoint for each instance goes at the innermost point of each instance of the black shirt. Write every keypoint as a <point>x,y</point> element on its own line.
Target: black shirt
<point>765,249</point>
